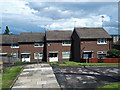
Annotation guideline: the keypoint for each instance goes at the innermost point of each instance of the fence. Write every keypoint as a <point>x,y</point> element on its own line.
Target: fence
<point>9,59</point>
<point>105,60</point>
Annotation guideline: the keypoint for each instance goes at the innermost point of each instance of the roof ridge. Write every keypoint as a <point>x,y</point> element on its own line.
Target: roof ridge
<point>59,30</point>
<point>32,33</point>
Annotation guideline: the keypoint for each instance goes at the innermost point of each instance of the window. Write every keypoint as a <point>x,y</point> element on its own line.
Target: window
<point>38,55</point>
<point>65,54</point>
<point>25,56</point>
<point>15,46</point>
<point>66,43</point>
<point>101,53</point>
<point>87,55</point>
<point>102,41</point>
<point>15,55</point>
<point>53,55</point>
<point>38,44</point>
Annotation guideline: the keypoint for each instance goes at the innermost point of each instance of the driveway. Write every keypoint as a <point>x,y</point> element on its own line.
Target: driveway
<point>36,76</point>
<point>86,77</point>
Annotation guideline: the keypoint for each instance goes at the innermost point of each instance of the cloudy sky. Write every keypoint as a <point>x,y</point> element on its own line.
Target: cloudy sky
<point>29,16</point>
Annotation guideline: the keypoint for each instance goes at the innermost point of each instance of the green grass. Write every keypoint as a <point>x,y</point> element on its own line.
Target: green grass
<point>9,76</point>
<point>70,63</point>
<point>111,86</point>
<point>20,62</point>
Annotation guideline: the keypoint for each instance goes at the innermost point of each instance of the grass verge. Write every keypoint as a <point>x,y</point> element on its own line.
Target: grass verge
<point>111,86</point>
<point>70,63</point>
<point>9,76</point>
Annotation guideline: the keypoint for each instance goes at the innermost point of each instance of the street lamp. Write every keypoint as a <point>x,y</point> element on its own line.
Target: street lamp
<point>102,20</point>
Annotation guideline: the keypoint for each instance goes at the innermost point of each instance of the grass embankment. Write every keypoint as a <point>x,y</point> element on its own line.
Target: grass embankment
<point>9,75</point>
<point>111,86</point>
<point>70,63</point>
<point>32,62</point>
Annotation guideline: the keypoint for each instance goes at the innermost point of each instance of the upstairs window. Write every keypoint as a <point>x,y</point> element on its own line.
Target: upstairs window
<point>38,44</point>
<point>66,43</point>
<point>102,41</point>
<point>15,46</point>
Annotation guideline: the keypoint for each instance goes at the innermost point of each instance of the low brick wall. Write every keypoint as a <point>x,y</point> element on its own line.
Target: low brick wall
<point>111,60</point>
<point>93,60</point>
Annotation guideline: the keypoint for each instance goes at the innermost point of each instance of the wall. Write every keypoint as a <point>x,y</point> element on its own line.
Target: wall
<point>105,60</point>
<point>111,60</point>
<point>57,46</point>
<point>29,48</point>
<point>93,60</point>
<point>8,49</point>
<point>87,45</point>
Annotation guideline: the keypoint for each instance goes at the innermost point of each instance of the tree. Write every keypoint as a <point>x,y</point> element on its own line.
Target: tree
<point>7,30</point>
<point>114,53</point>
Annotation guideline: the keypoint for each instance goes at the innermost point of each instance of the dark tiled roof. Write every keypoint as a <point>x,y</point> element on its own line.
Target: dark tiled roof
<point>31,37</point>
<point>58,35</point>
<point>92,33</point>
<point>6,39</point>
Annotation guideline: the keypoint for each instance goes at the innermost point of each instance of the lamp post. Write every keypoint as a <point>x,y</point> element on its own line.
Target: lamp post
<point>75,23</point>
<point>102,20</point>
<point>12,47</point>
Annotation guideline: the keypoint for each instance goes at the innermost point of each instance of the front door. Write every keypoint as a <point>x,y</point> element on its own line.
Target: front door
<point>25,58</point>
<point>87,55</point>
<point>53,57</point>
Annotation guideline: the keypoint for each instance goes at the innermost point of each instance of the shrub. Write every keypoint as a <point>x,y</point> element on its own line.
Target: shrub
<point>114,53</point>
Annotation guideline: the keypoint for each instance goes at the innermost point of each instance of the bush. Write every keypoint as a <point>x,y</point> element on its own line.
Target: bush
<point>114,53</point>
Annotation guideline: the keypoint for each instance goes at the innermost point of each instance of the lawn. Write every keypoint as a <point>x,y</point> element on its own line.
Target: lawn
<point>111,86</point>
<point>9,75</point>
<point>70,63</point>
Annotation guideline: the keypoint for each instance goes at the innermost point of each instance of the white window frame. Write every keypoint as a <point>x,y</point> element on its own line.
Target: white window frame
<point>105,41</point>
<point>39,44</point>
<point>101,52</point>
<point>15,55</point>
<point>66,53</point>
<point>39,55</point>
<point>15,46</point>
<point>63,43</point>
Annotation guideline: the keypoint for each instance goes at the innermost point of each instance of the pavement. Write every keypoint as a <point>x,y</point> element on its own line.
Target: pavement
<point>86,77</point>
<point>36,76</point>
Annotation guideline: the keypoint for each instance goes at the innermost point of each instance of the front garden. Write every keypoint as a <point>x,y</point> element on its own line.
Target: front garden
<point>9,75</point>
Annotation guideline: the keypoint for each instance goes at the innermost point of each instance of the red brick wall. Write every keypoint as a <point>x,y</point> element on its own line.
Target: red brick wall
<point>93,60</point>
<point>57,46</point>
<point>29,48</point>
<point>8,49</point>
<point>111,60</point>
<point>92,45</point>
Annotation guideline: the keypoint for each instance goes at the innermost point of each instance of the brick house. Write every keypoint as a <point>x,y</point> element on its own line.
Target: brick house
<point>9,45</point>
<point>58,45</point>
<point>89,43</point>
<point>31,46</point>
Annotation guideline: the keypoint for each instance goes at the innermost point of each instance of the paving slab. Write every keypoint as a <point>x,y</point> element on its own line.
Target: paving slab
<point>36,76</point>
